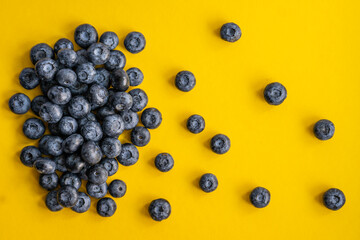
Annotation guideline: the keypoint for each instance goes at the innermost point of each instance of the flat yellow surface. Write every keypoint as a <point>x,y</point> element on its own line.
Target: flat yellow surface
<point>311,46</point>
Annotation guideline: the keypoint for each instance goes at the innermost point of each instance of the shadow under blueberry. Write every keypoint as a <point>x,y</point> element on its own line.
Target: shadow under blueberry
<point>196,182</point>
<point>260,93</point>
<point>310,128</point>
<point>207,143</point>
<point>145,210</point>
<point>246,197</point>
<point>319,198</point>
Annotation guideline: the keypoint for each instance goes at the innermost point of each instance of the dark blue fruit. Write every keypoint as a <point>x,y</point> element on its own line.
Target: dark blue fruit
<point>60,163</point>
<point>49,181</point>
<point>59,95</point>
<point>67,57</point>
<point>140,99</point>
<point>51,145</point>
<point>135,42</point>
<point>46,69</point>
<point>85,35</point>
<point>110,164</point>
<point>68,125</point>
<point>67,196</point>
<point>185,81</point>
<point>82,56</point>
<point>334,199</point>
<point>40,51</point>
<point>275,93</point>
<point>67,78</point>
<point>110,147</point>
<point>97,174</point>
<point>230,32</point>
<point>79,107</point>
<point>98,53</point>
<point>129,155</point>
<point>50,113</point>
<point>91,152</point>
<point>29,154</point>
<point>91,131</point>
<point>33,128</point>
<point>95,190</point>
<point>83,203</point>
<point>159,209</point>
<point>120,80</point>
<point>72,143</point>
<point>117,60</point>
<point>46,85</point>
<point>324,129</point>
<point>19,103</point>
<point>117,188</point>
<point>136,76</point>
<point>130,119</point>
<point>140,136</point>
<point>97,96</point>
<point>86,73</point>
<point>74,163</point>
<point>102,77</point>
<point>121,101</point>
<point>37,102</point>
<point>260,197</point>
<point>51,201</point>
<point>63,43</point>
<point>45,165</point>
<point>88,117</point>
<point>70,179</point>
<point>164,162</point>
<point>106,207</point>
<point>110,39</point>
<point>113,125</point>
<point>195,124</point>
<point>220,144</point>
<point>151,118</point>
<point>28,78</point>
<point>208,182</point>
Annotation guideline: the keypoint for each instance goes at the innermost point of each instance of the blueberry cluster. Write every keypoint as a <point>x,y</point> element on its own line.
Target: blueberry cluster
<point>86,106</point>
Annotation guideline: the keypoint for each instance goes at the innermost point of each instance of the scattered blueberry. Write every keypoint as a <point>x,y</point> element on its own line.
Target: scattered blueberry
<point>51,145</point>
<point>45,165</point>
<point>33,128</point>
<point>97,96</point>
<point>78,88</point>
<point>117,188</point>
<point>140,99</point>
<point>28,78</point>
<point>74,163</point>
<point>85,35</point>
<point>195,123</point>
<point>105,111</point>
<point>324,129</point>
<point>208,182</point>
<point>67,57</point>
<point>135,42</point>
<point>82,56</point>
<point>83,203</point>
<point>51,201</point>
<point>86,73</point>
<point>130,119</point>
<point>117,60</point>
<point>29,154</point>
<point>46,69</point>
<point>67,196</point>
<point>110,39</point>
<point>113,125</point>
<point>106,207</point>
<point>66,78</point>
<point>63,43</point>
<point>260,197</point>
<point>60,163</point>
<point>40,51</point>
<point>334,199</point>
<point>140,136</point>
<point>98,53</point>
<point>37,102</point>
<point>68,125</point>
<point>275,93</point>
<point>159,209</point>
<point>151,118</point>
<point>110,164</point>
<point>79,107</point>
<point>230,32</point>
<point>91,131</point>
<point>164,162</point>
<point>120,80</point>
<point>95,190</point>
<point>121,101</point>
<point>70,179</point>
<point>110,147</point>
<point>89,117</point>
<point>50,113</point>
<point>129,154</point>
<point>72,143</point>
<point>97,174</point>
<point>59,95</point>
<point>49,181</point>
<point>185,81</point>
<point>19,103</point>
<point>91,152</point>
<point>136,76</point>
<point>102,77</point>
<point>220,144</point>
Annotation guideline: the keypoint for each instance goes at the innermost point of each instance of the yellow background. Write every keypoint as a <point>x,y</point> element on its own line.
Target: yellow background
<point>311,46</point>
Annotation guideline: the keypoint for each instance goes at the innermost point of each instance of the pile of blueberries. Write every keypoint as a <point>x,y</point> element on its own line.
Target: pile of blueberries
<point>86,108</point>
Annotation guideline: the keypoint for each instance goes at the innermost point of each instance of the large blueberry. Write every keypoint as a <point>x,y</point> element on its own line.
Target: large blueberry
<point>66,77</point>
<point>29,79</point>
<point>97,174</point>
<point>49,181</point>
<point>102,77</point>
<point>334,199</point>
<point>98,53</point>
<point>324,129</point>
<point>83,203</point>
<point>260,197</point>
<point>67,196</point>
<point>85,35</point>
<point>275,93</point>
<point>159,209</point>
<point>195,123</point>
<point>79,107</point>
<point>63,43</point>
<point>111,147</point>
<point>140,99</point>
<point>72,143</point>
<point>185,81</point>
<point>208,182</point>
<point>117,60</point>
<point>117,188</point>
<point>130,119</point>
<point>67,57</point>
<point>51,201</point>
<point>29,154</point>
<point>106,207</point>
<point>59,95</point>
<point>50,113</point>
<point>40,51</point>
<point>220,144</point>
<point>164,162</point>
<point>91,152</point>
<point>85,73</point>
<point>120,80</point>
<point>97,96</point>
<point>45,165</point>
<point>113,125</point>
<point>33,128</point>
<point>46,69</point>
<point>121,101</point>
<point>129,154</point>
<point>70,179</point>
<point>151,118</point>
<point>230,32</point>
<point>91,131</point>
<point>140,136</point>
<point>110,164</point>
<point>95,190</point>
<point>19,103</point>
<point>135,42</point>
<point>51,145</point>
<point>136,76</point>
<point>110,39</point>
<point>68,125</point>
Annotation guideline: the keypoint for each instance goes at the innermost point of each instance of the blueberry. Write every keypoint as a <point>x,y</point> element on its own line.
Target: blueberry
<point>275,93</point>
<point>51,201</point>
<point>110,39</point>
<point>72,143</point>
<point>74,163</point>
<point>113,125</point>
<point>106,207</point>
<point>195,123</point>
<point>40,51</point>
<point>83,203</point>
<point>91,131</point>
<point>117,60</point>
<point>82,56</point>
<point>117,188</point>
<point>67,57</point>
<point>49,181</point>
<point>89,117</point>
<point>33,128</point>
<point>164,162</point>
<point>324,129</point>
<point>95,190</point>
<point>45,165</point>
<point>85,35</point>
<point>110,164</point>
<point>59,95</point>
<point>66,78</point>
<point>121,101</point>
<point>159,209</point>
<point>130,119</point>
<point>105,111</point>
<point>19,103</point>
<point>68,125</point>
<point>151,118</point>
<point>54,129</point>
<point>140,99</point>
<point>51,145</point>
<point>140,136</point>
<point>220,144</point>
<point>111,147</point>
<point>79,107</point>
<point>334,199</point>
<point>97,96</point>
<point>102,77</point>
<point>260,197</point>
<point>50,113</point>
<point>46,85</point>
<point>37,102</point>
<point>120,80</point>
<point>86,73</point>
<point>63,43</point>
<point>208,182</point>
<point>135,42</point>
<point>136,76</point>
<point>70,179</point>
<point>230,32</point>
<point>185,81</point>
<point>97,174</point>
<point>28,78</point>
<point>29,154</point>
<point>46,69</point>
<point>98,53</point>
<point>91,152</point>
<point>78,88</point>
<point>60,163</point>
<point>129,155</point>
<point>67,196</point>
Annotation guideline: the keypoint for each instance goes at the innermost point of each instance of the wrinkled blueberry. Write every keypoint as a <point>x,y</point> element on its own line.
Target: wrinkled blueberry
<point>85,35</point>
<point>129,154</point>
<point>195,123</point>
<point>159,209</point>
<point>49,181</point>
<point>83,203</point>
<point>45,165</point>
<point>67,57</point>
<point>40,51</point>
<point>98,53</point>
<point>91,152</point>
<point>260,197</point>
<point>85,73</point>
<point>140,136</point>
<point>334,199</point>
<point>324,129</point>
<point>79,107</point>
<point>230,32</point>
<point>50,113</point>
<point>37,102</point>
<point>72,143</point>
<point>102,77</point>
<point>110,147</point>
<point>120,80</point>
<point>136,76</point>
<point>135,42</point>
<point>275,93</point>
<point>117,188</point>
<point>19,103</point>
<point>28,78</point>
<point>51,145</point>
<point>67,196</point>
<point>33,128</point>
<point>110,164</point>
<point>117,60</point>
<point>113,125</point>
<point>51,201</point>
<point>74,163</point>
<point>70,179</point>
<point>46,69</point>
<point>121,101</point>
<point>95,190</point>
<point>63,43</point>
<point>151,118</point>
<point>208,182</point>
<point>185,81</point>
<point>220,144</point>
<point>91,131</point>
<point>140,99</point>
<point>110,39</point>
<point>130,119</point>
<point>29,154</point>
<point>106,207</point>
<point>97,174</point>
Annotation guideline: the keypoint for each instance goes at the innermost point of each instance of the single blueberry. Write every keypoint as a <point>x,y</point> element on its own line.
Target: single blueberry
<point>159,209</point>
<point>51,145</point>
<point>130,119</point>
<point>117,188</point>
<point>135,42</point>
<point>110,164</point>
<point>91,131</point>
<point>185,81</point>
<point>140,136</point>
<point>208,182</point>
<point>60,163</point>
<point>72,143</point>
<point>85,35</point>
<point>275,93</point>
<point>95,190</point>
<point>230,32</point>
<point>67,196</point>
<point>85,73</point>
<point>46,69</point>
<point>97,174</point>
<point>97,96</point>
<point>106,207</point>
<point>89,117</point>
<point>164,162</point>
<point>49,181</point>
<point>91,152</point>
<point>83,203</point>
<point>70,179</point>
<point>40,51</point>
<point>121,101</point>
<point>129,154</point>
<point>111,147</point>
<point>79,107</point>
<point>136,76</point>
<point>63,43</point>
<point>68,125</point>
<point>220,144</point>
<point>195,123</point>
<point>110,39</point>
<point>120,80</point>
<point>50,113</point>
<point>74,163</point>
<point>334,199</point>
<point>102,77</point>
<point>105,111</point>
<point>324,129</point>
<point>28,78</point>
<point>29,154</point>
<point>113,125</point>
<point>98,53</point>
<point>45,165</point>
<point>33,128</point>
<point>67,57</point>
<point>19,103</point>
<point>82,56</point>
<point>260,197</point>
<point>66,77</point>
<point>151,118</point>
<point>59,95</point>
<point>78,88</point>
<point>117,60</point>
<point>140,99</point>
<point>37,102</point>
<point>51,201</point>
